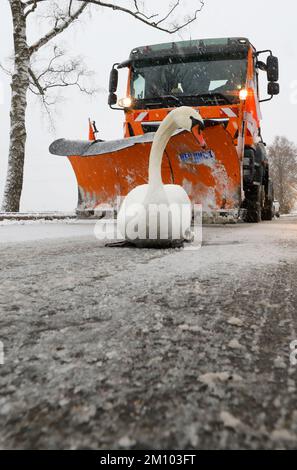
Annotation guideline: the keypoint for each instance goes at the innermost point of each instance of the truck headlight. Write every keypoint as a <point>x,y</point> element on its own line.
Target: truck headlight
<point>125,102</point>
<point>243,94</point>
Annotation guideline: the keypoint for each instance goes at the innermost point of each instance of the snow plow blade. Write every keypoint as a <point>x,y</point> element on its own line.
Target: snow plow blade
<point>106,171</point>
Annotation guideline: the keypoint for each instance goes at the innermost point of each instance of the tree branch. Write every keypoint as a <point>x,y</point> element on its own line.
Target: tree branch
<point>141,16</point>
<point>34,6</point>
<point>58,74</point>
<point>8,72</point>
<point>169,13</point>
<point>36,82</point>
<point>69,7</point>
<point>57,29</point>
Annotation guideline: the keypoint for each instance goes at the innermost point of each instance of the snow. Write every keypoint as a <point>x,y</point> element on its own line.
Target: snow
<point>47,215</point>
<point>126,442</point>
<point>279,363</point>
<point>16,231</point>
<point>191,432</point>
<point>282,435</point>
<point>84,414</point>
<point>235,321</point>
<point>212,378</point>
<point>192,328</point>
<point>8,222</point>
<point>229,420</point>
<point>110,296</point>
<point>64,147</point>
<point>234,344</point>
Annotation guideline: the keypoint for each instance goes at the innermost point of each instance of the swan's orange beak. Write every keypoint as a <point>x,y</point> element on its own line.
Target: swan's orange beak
<point>197,133</point>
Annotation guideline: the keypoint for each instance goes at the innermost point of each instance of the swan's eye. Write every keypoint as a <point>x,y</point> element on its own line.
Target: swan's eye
<point>196,122</point>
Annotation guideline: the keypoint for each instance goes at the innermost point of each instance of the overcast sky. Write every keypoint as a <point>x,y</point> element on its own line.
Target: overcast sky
<point>108,37</point>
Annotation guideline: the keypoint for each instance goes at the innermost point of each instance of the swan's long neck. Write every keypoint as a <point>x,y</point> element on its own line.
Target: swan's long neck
<point>162,136</point>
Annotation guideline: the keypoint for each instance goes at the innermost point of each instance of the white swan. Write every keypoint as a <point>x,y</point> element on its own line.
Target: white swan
<point>154,214</point>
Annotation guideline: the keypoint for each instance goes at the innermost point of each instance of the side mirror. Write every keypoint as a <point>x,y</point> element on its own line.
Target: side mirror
<point>273,88</point>
<point>112,99</point>
<point>113,80</point>
<point>272,69</point>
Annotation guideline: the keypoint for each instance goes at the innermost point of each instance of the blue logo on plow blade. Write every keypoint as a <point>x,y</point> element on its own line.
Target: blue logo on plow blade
<point>197,157</point>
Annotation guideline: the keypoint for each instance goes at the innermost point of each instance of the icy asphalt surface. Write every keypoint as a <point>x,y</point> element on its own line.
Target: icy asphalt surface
<point>127,348</point>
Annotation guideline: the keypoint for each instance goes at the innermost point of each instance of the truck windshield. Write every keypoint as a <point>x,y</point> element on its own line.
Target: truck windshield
<point>208,82</point>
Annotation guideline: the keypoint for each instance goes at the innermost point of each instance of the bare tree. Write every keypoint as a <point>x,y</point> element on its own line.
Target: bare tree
<point>60,71</point>
<point>283,163</point>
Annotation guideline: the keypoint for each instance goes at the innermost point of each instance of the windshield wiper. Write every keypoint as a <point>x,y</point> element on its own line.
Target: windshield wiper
<point>214,95</point>
<point>161,99</point>
<point>171,97</point>
<point>203,98</point>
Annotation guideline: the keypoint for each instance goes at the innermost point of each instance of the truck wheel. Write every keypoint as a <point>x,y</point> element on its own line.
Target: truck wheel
<point>268,210</point>
<point>267,213</point>
<point>254,205</point>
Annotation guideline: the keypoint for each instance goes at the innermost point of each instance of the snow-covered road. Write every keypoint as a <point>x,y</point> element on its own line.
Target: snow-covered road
<point>122,347</point>
<point>35,230</point>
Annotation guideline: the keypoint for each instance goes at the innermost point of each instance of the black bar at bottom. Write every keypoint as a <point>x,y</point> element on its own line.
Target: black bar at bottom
<point>141,458</point>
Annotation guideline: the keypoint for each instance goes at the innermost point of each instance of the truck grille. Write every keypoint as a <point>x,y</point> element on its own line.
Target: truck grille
<point>150,126</point>
<point>153,126</point>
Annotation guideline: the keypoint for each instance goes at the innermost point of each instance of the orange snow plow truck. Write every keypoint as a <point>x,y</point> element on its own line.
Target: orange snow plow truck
<point>226,169</point>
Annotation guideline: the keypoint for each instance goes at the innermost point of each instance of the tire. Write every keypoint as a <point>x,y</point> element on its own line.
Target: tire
<point>248,167</point>
<point>267,213</point>
<point>253,216</point>
<point>254,205</point>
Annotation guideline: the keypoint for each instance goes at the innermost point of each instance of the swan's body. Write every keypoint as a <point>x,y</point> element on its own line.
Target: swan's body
<point>155,214</point>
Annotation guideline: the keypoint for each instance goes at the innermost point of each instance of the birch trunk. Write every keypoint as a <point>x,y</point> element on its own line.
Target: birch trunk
<point>19,88</point>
